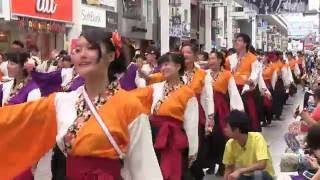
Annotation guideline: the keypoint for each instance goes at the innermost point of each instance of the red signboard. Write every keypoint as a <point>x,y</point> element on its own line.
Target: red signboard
<point>54,10</point>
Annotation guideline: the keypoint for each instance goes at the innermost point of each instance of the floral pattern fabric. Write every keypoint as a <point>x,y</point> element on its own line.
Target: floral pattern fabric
<point>16,89</point>
<point>189,75</point>
<point>167,90</point>
<point>84,114</point>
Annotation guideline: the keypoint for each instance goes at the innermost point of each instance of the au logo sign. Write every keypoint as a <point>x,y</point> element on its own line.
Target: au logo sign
<point>46,6</point>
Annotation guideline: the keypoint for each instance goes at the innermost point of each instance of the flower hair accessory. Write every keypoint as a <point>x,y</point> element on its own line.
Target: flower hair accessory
<point>116,41</point>
<point>29,65</point>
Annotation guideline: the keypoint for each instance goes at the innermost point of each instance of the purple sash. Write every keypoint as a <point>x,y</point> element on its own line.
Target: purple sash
<point>127,81</point>
<point>22,96</point>
<point>76,83</point>
<point>48,82</point>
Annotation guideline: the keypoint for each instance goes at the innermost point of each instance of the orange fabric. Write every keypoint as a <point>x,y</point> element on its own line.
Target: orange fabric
<point>27,132</point>
<point>292,63</point>
<point>1,75</point>
<point>268,72</point>
<point>197,81</point>
<point>174,106</point>
<point>117,113</point>
<point>221,83</point>
<point>244,70</point>
<point>278,65</point>
<point>145,95</point>
<point>155,78</point>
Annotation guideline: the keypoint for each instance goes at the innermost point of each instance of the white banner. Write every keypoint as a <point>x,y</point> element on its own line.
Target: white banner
<point>93,16</point>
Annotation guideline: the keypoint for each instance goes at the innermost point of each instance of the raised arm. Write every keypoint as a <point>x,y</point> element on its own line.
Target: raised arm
<point>27,132</point>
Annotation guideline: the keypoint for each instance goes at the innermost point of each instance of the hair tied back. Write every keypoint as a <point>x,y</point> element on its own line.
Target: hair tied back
<point>116,41</point>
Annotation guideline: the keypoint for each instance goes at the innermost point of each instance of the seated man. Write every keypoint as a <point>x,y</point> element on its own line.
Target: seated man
<point>246,155</point>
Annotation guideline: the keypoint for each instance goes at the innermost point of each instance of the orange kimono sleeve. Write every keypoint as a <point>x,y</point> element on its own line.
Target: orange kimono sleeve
<point>145,96</point>
<point>27,132</point>
<point>155,78</point>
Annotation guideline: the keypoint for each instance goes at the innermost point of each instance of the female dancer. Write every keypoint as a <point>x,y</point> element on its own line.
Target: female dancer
<point>174,117</point>
<point>97,144</point>
<point>19,90</point>
<point>201,84</point>
<point>222,83</point>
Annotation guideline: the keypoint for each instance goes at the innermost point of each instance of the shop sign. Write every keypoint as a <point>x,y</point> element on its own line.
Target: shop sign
<point>46,6</point>
<point>93,16</point>
<point>40,26</point>
<point>112,21</point>
<point>53,10</point>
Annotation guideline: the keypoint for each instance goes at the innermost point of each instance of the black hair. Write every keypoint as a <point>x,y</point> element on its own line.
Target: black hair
<point>98,37</point>
<point>66,58</point>
<point>231,51</point>
<point>219,56</point>
<point>63,52</point>
<point>240,120</point>
<point>316,93</point>
<point>19,58</point>
<point>246,39</point>
<point>175,58</point>
<point>313,137</point>
<point>140,56</point>
<point>153,49</point>
<point>289,53</point>
<point>18,43</point>
<point>193,47</point>
<point>259,52</point>
<point>252,50</point>
<point>205,55</point>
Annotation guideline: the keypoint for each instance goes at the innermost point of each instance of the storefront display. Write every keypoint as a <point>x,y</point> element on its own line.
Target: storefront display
<point>38,22</point>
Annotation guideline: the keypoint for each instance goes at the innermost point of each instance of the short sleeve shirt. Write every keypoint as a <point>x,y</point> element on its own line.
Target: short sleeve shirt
<point>256,149</point>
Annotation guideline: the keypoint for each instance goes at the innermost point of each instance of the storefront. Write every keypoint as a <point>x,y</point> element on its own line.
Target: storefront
<point>98,17</point>
<point>43,23</point>
<point>137,22</point>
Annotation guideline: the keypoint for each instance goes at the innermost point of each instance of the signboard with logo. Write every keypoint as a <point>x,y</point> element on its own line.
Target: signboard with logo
<point>53,10</point>
<point>93,16</point>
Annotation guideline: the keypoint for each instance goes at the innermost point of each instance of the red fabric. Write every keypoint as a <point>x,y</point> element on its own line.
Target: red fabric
<point>25,175</point>
<point>267,103</point>
<point>251,108</point>
<point>222,108</point>
<point>171,141</point>
<point>89,168</point>
<point>316,114</point>
<point>202,114</point>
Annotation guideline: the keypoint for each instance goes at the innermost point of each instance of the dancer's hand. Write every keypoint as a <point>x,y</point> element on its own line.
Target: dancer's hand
<point>210,125</point>
<point>191,160</point>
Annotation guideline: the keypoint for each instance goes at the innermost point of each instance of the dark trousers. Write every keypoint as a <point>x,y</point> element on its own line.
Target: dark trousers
<point>258,175</point>
<point>58,164</point>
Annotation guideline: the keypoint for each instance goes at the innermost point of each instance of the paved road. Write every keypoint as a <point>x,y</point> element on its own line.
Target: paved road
<point>274,133</point>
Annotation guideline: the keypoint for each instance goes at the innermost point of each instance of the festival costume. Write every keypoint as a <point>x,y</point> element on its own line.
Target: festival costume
<point>244,69</point>
<point>68,122</point>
